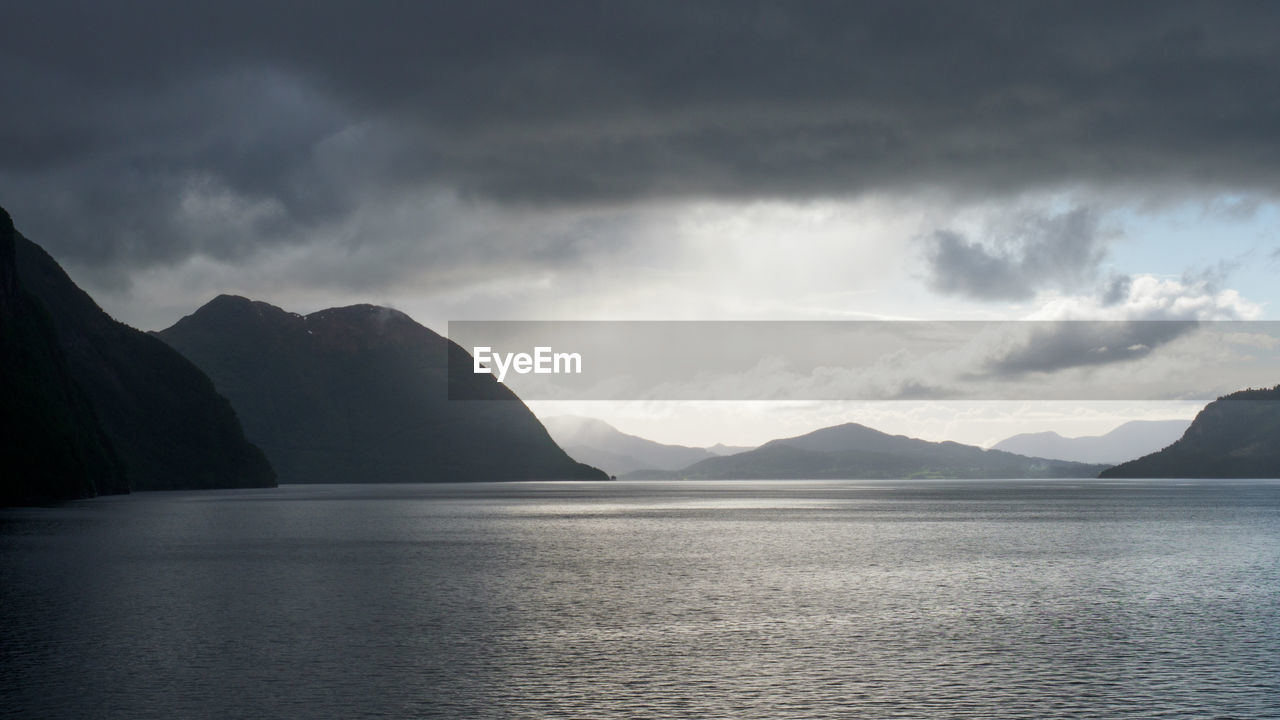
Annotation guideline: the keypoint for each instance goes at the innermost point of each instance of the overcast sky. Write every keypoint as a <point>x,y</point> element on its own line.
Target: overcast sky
<point>735,160</point>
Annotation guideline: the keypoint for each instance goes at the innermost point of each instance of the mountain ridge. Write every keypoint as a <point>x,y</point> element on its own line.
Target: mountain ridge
<point>1235,436</point>
<point>54,447</point>
<point>1125,442</point>
<point>854,451</point>
<point>360,394</point>
<point>165,422</point>
<point>597,442</point>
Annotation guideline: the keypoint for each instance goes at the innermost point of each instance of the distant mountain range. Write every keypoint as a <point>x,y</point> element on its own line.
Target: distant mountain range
<point>722,449</point>
<point>164,425</point>
<point>360,394</point>
<point>598,443</point>
<point>1126,442</point>
<point>857,451</point>
<point>1235,436</point>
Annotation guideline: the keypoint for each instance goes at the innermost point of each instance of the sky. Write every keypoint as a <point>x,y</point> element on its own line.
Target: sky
<point>661,160</point>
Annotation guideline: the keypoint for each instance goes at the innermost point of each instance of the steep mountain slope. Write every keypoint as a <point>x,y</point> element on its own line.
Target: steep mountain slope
<point>856,451</point>
<point>1235,436</point>
<point>52,446</point>
<point>167,423</point>
<point>1130,440</point>
<point>597,442</point>
<point>360,394</point>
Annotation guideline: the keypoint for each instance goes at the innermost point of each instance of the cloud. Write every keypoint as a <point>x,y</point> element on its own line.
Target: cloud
<point>1128,320</point>
<point>143,133</point>
<point>1031,254</point>
<point>1194,296</point>
<point>1116,290</point>
<point>1055,346</point>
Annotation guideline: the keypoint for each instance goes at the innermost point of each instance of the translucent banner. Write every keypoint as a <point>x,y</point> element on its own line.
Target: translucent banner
<point>866,360</point>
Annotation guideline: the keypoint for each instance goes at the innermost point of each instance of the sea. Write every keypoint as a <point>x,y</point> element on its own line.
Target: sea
<point>757,599</point>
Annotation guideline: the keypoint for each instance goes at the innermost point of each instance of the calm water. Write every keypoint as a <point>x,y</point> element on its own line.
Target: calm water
<point>1010,599</point>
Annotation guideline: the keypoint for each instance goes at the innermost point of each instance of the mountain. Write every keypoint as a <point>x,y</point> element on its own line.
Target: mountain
<point>53,447</point>
<point>856,451</point>
<point>722,449</point>
<point>167,423</point>
<point>360,394</point>
<point>1235,436</point>
<point>169,428</point>
<point>597,442</point>
<point>1130,440</point>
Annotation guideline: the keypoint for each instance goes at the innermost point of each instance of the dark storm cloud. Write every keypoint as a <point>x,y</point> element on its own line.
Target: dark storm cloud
<point>1047,347</point>
<point>1061,250</point>
<point>134,130</point>
<point>1116,290</point>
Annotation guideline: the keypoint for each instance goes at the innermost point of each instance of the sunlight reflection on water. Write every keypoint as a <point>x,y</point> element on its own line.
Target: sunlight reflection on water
<point>977,599</point>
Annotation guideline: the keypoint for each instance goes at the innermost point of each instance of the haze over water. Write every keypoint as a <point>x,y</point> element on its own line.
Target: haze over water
<point>981,599</point>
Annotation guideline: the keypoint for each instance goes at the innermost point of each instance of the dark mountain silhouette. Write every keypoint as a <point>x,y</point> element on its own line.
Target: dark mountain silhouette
<point>360,394</point>
<point>168,425</point>
<point>1235,436</point>
<point>52,446</point>
<point>598,443</point>
<point>1126,442</point>
<point>857,451</point>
